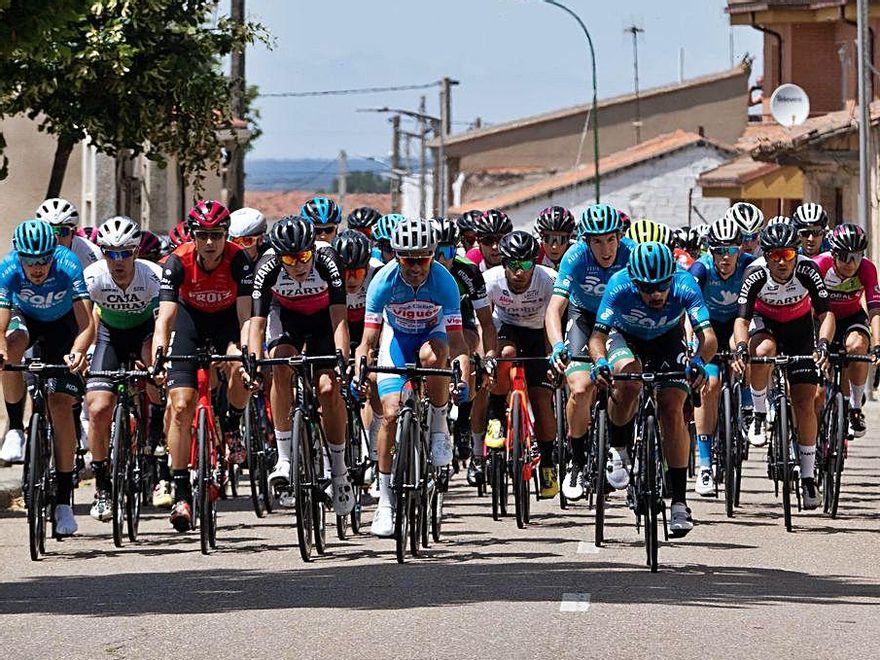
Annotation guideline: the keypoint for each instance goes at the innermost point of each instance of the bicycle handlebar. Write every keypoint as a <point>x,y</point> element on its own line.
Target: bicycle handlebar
<point>409,370</point>
<point>37,367</point>
<point>121,374</point>
<point>781,360</point>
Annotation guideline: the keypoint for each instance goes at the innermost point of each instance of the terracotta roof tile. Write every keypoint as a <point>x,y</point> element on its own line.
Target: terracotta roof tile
<point>276,205</point>
<point>736,172</point>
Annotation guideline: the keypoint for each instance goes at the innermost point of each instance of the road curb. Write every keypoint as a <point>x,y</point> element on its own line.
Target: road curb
<point>10,486</point>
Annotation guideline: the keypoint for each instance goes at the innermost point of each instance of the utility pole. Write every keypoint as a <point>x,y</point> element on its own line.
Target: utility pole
<point>864,119</point>
<point>635,31</point>
<point>445,129</point>
<point>235,168</point>
<point>423,158</point>
<point>343,177</point>
<point>395,164</point>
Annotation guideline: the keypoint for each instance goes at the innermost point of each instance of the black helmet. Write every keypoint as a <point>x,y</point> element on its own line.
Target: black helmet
<point>353,249</point>
<point>492,222</point>
<point>780,235</point>
<point>445,230</point>
<point>555,218</point>
<point>518,245</point>
<point>363,218</point>
<point>848,238</point>
<point>292,234</point>
<point>467,221</point>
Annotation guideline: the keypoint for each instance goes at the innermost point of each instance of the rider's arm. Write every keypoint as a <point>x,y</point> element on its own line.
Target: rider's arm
<point>553,317</point>
<point>697,316</point>
<point>330,269</point>
<point>827,325</point>
<point>368,344</point>
<point>339,321</point>
<point>708,343</point>
<point>5,317</point>
<point>242,269</point>
<point>85,323</point>
<point>480,300</point>
<point>267,270</point>
<point>875,326</point>
<point>490,334</point>
<point>458,350</point>
<point>812,280</point>
<point>169,295</point>
<point>598,342</point>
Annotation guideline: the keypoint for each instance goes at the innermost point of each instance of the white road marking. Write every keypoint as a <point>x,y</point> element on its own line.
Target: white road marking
<point>575,603</point>
<point>587,548</point>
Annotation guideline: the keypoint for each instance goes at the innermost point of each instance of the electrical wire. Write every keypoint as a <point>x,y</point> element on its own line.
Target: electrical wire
<point>348,92</point>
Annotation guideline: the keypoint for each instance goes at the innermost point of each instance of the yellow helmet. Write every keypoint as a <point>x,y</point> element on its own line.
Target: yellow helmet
<point>644,230</point>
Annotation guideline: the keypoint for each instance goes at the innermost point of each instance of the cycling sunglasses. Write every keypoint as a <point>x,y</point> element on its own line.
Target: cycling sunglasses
<point>811,231</point>
<point>63,232</point>
<point>782,254</point>
<point>491,239</point>
<point>246,241</point>
<point>749,237</point>
<point>323,230</point>
<point>654,287</point>
<point>848,257</point>
<point>356,273</point>
<point>209,235</point>
<point>519,264</point>
<point>303,257</point>
<point>722,250</point>
<point>555,239</point>
<point>115,255</point>
<point>422,262</point>
<point>445,251</point>
<point>43,260</point>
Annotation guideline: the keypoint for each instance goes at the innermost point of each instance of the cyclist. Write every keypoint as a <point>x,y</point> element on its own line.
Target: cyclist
<point>325,214</point>
<point>150,247</point>
<point>750,221</point>
<point>125,294</point>
<point>554,227</point>
<point>246,229</point>
<point>780,293</point>
<point>780,220</point>
<point>490,229</point>
<point>646,304</point>
<point>848,275</point>
<point>583,276</point>
<point>689,244</point>
<point>64,218</point>
<point>204,300</point>
<point>44,301</point>
<point>719,275</point>
<point>644,231</point>
<point>811,223</point>
<point>382,251</point>
<point>364,220</point>
<point>179,235</point>
<point>300,306</point>
<point>467,228</point>
<point>418,300</point>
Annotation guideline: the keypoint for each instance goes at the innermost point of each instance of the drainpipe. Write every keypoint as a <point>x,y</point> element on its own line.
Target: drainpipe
<point>855,24</point>
<point>778,37</point>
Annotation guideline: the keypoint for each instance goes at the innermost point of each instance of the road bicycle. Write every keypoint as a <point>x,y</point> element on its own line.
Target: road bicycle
<point>728,450</point>
<point>563,451</point>
<point>357,458</point>
<point>257,428</point>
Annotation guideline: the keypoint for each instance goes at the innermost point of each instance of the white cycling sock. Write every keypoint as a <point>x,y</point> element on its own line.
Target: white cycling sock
<point>373,434</point>
<point>856,392</point>
<point>438,420</point>
<point>477,442</point>
<point>808,461</point>
<point>337,460</point>
<point>284,444</point>
<point>759,400</point>
<point>385,494</point>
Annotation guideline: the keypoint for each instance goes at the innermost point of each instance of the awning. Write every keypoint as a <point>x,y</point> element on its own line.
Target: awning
<point>744,178</point>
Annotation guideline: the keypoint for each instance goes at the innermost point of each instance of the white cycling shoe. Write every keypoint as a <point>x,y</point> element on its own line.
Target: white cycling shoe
<point>280,476</point>
<point>65,523</point>
<point>680,522</point>
<point>573,484</point>
<point>757,432</point>
<point>705,485</point>
<point>102,509</point>
<point>343,495</point>
<point>383,522</point>
<point>13,447</point>
<point>441,449</point>
<point>618,475</point>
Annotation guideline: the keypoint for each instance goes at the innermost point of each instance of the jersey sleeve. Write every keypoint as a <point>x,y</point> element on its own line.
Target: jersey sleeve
<point>378,295</point>
<point>330,269</point>
<point>698,270</point>
<point>154,278</point>
<point>74,271</point>
<point>695,304</point>
<point>447,297</point>
<point>606,316</point>
<point>266,275</point>
<point>242,269</point>
<point>868,278</point>
<point>567,270</point>
<point>473,282</point>
<point>172,277</point>
<point>7,280</point>
<point>753,281</point>
<point>811,278</point>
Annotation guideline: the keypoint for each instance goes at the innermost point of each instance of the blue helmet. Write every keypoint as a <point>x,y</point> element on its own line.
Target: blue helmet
<point>321,211</point>
<point>385,227</point>
<point>34,238</point>
<point>599,219</point>
<point>651,263</point>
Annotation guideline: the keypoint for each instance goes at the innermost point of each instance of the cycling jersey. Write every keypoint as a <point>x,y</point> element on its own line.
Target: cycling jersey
<point>582,280</point>
<point>845,294</point>
<point>128,308</point>
<point>50,300</point>
<point>622,308</point>
<point>803,293</point>
<point>87,252</point>
<point>322,288</point>
<point>471,287</point>
<point>184,281</point>
<point>435,305</point>
<point>526,309</point>
<point>356,303</point>
<point>683,258</point>
<point>721,295</point>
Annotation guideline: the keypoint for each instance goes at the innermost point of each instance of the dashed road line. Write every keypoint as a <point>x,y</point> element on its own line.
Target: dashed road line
<point>575,603</point>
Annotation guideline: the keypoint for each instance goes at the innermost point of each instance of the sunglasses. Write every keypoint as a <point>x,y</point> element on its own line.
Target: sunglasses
<point>246,241</point>
<point>355,273</point>
<point>63,232</point>
<point>848,257</point>
<point>323,230</point>
<point>114,255</point>
<point>445,251</point>
<point>555,239</point>
<point>811,232</point>
<point>491,239</point>
<point>43,260</point>
<point>654,287</point>
<point>208,235</point>
<point>782,254</point>
<point>422,262</point>
<point>519,264</point>
<point>303,257</point>
<point>722,250</point>
<point>749,237</point>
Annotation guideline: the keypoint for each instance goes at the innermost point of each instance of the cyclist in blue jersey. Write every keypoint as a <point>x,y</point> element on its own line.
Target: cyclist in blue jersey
<point>750,220</point>
<point>584,271</point>
<point>719,274</point>
<point>646,304</point>
<point>418,300</point>
<point>44,300</point>
<point>382,252</point>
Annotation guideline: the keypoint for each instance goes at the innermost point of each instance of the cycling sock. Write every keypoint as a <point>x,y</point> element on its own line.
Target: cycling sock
<point>498,406</point>
<point>856,392</point>
<point>15,412</point>
<point>545,447</point>
<point>704,444</point>
<point>157,423</point>
<point>283,442</point>
<point>463,422</point>
<point>233,418</point>
<point>808,461</point>
<point>164,469</point>
<point>385,494</point>
<point>478,440</point>
<point>438,419</point>
<point>182,487</point>
<point>759,399</point>
<point>65,486</point>
<point>373,434</point>
<point>337,460</point>
<point>102,478</point>
<point>579,449</point>
<point>620,436</point>
<point>678,484</point>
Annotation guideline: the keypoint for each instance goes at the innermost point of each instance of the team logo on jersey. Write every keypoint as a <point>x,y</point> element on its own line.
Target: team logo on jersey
<point>593,286</point>
<point>41,300</point>
<point>641,318</point>
<point>725,298</point>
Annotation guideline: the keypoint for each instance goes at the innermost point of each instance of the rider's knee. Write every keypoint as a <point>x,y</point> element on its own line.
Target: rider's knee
<point>508,351</point>
<point>100,409</point>
<point>856,343</point>
<point>714,385</point>
<point>579,386</point>
<point>181,403</point>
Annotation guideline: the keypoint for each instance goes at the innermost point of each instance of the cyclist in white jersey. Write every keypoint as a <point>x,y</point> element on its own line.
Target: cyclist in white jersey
<point>64,218</point>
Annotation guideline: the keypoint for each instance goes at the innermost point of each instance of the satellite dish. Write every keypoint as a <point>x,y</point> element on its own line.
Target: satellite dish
<point>790,105</point>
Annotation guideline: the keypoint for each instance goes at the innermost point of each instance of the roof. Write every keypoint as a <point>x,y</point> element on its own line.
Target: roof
<point>585,107</point>
<point>277,204</point>
<point>746,6</point>
<point>736,172</point>
<point>661,145</point>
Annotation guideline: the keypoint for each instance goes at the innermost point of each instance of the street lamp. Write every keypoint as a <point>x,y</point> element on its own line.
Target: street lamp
<point>595,111</point>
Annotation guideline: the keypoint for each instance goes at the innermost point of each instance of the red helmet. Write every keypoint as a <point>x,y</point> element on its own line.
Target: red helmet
<point>208,214</point>
<point>179,234</point>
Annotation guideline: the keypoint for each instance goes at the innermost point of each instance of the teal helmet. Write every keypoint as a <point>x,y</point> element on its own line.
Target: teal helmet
<point>651,263</point>
<point>321,211</point>
<point>385,227</point>
<point>599,219</point>
<point>34,238</point>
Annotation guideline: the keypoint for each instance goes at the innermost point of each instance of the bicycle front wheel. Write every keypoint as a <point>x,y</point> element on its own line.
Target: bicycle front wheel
<point>35,493</point>
<point>653,495</point>
<point>784,448</point>
<point>600,450</point>
<point>518,461</point>
<point>207,505</point>
<point>254,441</point>
<point>302,478</point>
<point>726,440</point>
<point>401,471</point>
<point>561,441</point>
<point>837,445</point>
<point>119,448</point>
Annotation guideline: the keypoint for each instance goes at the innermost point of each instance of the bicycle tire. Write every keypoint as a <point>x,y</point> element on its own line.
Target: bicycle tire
<point>784,450</point>
<point>416,468</point>
<point>495,469</point>
<point>692,454</point>
<point>652,458</point>
<point>517,461</point>
<point>725,438</point>
<point>400,473</point>
<point>561,442</point>
<point>255,457</point>
<point>133,501</point>
<point>838,451</point>
<point>739,441</point>
<point>426,495</point>
<point>206,504</point>
<point>600,434</point>
<point>265,429</point>
<point>35,492</point>
<point>301,467</point>
<point>437,515</point>
<point>118,469</point>
<point>319,507</point>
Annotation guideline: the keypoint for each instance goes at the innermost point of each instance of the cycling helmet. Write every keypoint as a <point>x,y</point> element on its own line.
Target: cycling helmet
<point>88,233</point>
<point>779,219</point>
<point>555,218</point>
<point>779,235</point>
<point>599,219</point>
<point>445,230</point>
<point>647,231</point>
<point>688,238</point>
<point>353,249</point>
<point>208,214</point>
<point>467,221</point>
<point>624,221</point>
<point>493,221</point>
<point>809,214</point>
<point>748,217</point>
<point>363,218</point>
<point>848,238</point>
<point>414,235</point>
<point>321,211</point>
<point>34,238</point>
<point>518,245</point>
<point>179,235</point>
<point>651,262</point>
<point>246,222</point>
<point>291,235</point>
<point>150,247</point>
<point>120,233</point>
<point>57,211</point>
<point>724,231</point>
<point>385,227</point>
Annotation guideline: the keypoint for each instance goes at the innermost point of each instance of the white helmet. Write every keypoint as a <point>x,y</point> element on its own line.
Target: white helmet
<point>414,235</point>
<point>246,222</point>
<point>722,231</point>
<point>57,211</point>
<point>120,233</point>
<point>779,220</point>
<point>748,216</point>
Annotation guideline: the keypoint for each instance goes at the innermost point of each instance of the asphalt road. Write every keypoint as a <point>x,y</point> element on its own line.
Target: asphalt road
<point>733,588</point>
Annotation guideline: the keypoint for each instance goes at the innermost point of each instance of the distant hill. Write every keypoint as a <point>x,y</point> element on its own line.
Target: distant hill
<point>300,173</point>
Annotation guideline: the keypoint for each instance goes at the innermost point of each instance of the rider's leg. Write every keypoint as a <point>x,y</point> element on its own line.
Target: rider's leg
<point>761,345</point>
<point>676,440</point>
<point>706,417</point>
<point>434,354</point>
<point>541,399</point>
<point>100,404</point>
<point>13,393</point>
<point>857,343</point>
<point>63,426</point>
<point>577,411</point>
<point>803,396</point>
<point>281,397</point>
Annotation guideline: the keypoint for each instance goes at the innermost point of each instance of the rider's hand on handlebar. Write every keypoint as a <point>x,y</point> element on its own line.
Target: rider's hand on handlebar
<point>560,356</point>
<point>600,374</point>
<point>696,372</point>
<point>459,391</point>
<point>875,353</point>
<point>821,355</point>
<point>77,362</point>
<point>740,358</point>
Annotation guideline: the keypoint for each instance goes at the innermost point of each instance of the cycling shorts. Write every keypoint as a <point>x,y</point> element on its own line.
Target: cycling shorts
<point>857,322</point>
<point>668,352</point>
<point>115,347</point>
<point>794,337</point>
<point>723,333</point>
<point>307,333</point>
<point>577,336</point>
<point>397,349</point>
<point>529,342</point>
<point>195,330</point>
<point>53,339</point>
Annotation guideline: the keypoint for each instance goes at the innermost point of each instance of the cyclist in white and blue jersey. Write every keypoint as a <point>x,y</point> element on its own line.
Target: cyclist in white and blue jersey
<point>599,253</point>
<point>44,300</point>
<point>750,220</point>
<point>646,304</point>
<point>719,274</point>
<point>382,252</point>
<point>417,302</point>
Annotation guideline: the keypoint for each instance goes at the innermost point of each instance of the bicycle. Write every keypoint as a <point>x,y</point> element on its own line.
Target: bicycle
<point>563,451</point>
<point>127,447</point>
<point>255,436</point>
<point>357,457</point>
<point>728,450</point>
<point>414,477</point>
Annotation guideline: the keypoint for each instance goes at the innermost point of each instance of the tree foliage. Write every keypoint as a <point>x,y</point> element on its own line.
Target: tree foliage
<point>362,182</point>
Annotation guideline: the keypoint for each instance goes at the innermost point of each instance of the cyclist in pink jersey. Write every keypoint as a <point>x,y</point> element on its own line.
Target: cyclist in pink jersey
<point>490,228</point>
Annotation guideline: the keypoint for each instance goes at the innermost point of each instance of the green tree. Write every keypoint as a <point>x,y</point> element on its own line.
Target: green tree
<point>362,182</point>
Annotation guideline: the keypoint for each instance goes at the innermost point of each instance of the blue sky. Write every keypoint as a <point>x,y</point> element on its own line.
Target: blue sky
<point>512,57</point>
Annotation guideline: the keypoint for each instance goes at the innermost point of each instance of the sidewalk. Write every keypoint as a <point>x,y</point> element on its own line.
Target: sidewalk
<point>10,485</point>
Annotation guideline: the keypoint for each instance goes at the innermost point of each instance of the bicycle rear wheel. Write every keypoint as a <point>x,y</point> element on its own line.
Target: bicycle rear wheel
<point>401,472</point>
<point>119,462</point>
<point>254,441</point>
<point>496,470</point>
<point>726,440</point>
<point>207,505</point>
<point>561,441</point>
<point>652,493</point>
<point>436,514</point>
<point>36,496</point>
<point>600,450</point>
<point>837,445</point>
<point>302,477</point>
<point>518,461</point>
